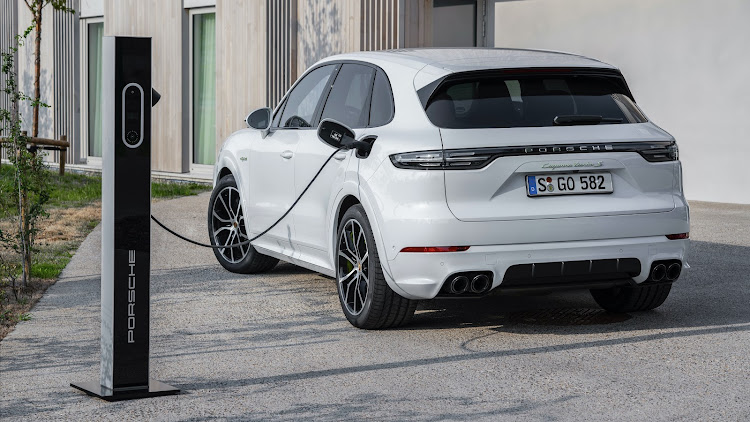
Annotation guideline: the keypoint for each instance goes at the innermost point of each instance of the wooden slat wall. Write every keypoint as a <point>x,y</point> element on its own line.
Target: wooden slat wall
<point>66,61</point>
<point>162,21</point>
<point>241,37</point>
<point>8,29</point>
<point>281,48</point>
<point>326,27</point>
<point>379,27</point>
<point>417,23</point>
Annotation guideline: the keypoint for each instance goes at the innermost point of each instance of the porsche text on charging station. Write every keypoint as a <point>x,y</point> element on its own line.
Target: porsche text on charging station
<point>456,173</point>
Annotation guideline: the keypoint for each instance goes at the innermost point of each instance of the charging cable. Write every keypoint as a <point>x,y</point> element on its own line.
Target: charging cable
<point>234,245</point>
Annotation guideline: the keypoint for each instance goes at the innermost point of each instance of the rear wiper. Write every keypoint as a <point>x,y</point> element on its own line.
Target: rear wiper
<point>580,119</point>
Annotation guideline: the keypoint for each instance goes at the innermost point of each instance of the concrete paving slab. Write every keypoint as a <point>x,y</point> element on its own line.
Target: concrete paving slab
<point>277,347</point>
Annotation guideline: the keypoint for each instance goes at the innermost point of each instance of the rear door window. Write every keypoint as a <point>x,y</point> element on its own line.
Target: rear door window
<point>349,100</point>
<point>496,101</point>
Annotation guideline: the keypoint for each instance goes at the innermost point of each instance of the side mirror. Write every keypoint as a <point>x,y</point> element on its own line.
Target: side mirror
<point>336,134</point>
<point>259,119</point>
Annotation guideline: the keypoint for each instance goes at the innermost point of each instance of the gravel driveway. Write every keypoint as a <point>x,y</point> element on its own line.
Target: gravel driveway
<point>277,347</point>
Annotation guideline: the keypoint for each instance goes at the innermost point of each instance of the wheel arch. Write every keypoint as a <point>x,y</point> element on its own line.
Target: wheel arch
<point>347,199</point>
<point>225,171</point>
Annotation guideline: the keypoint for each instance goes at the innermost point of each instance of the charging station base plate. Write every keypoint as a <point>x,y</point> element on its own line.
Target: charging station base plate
<point>155,389</point>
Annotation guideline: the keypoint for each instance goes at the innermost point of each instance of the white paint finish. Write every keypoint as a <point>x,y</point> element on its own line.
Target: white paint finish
<point>498,191</point>
<point>269,175</point>
<point>685,61</point>
<point>190,4</point>
<point>410,207</point>
<point>311,213</point>
<point>416,272</point>
<point>92,8</point>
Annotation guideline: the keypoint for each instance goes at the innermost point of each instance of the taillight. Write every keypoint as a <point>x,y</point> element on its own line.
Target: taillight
<point>459,159</point>
<point>415,160</point>
<point>435,249</point>
<point>661,153</point>
<point>678,236</point>
<point>476,158</point>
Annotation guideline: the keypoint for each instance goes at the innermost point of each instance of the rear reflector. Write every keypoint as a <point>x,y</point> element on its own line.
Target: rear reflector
<point>435,249</point>
<point>678,236</point>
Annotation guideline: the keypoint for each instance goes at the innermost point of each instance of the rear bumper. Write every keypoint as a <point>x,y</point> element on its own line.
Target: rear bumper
<point>421,275</point>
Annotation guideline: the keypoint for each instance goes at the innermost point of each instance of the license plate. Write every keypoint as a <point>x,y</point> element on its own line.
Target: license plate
<point>568,184</point>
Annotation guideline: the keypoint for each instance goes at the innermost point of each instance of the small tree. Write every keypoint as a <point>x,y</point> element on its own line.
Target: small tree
<point>36,7</point>
<point>31,179</point>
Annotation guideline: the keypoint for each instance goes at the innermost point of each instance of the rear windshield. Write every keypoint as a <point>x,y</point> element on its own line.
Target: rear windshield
<point>494,101</point>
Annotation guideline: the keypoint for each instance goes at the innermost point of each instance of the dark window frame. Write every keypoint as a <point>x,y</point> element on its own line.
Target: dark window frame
<point>324,93</point>
<point>368,98</point>
<point>327,90</point>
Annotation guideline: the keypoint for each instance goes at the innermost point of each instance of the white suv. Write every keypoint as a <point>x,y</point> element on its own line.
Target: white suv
<point>456,172</point>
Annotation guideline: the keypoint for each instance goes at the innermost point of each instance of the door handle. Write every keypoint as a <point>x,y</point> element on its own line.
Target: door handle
<point>287,154</point>
<point>340,156</point>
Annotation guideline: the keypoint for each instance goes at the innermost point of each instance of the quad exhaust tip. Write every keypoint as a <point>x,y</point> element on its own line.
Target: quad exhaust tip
<point>480,284</point>
<point>459,285</point>
<point>673,271</point>
<point>471,283</point>
<point>659,272</point>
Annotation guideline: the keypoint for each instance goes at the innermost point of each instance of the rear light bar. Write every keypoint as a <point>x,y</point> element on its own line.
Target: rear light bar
<point>436,249</point>
<point>678,236</point>
<point>476,158</point>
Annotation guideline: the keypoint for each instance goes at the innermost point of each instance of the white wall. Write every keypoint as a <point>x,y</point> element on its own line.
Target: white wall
<point>686,61</point>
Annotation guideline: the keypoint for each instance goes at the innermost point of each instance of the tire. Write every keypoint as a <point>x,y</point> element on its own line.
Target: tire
<point>226,225</point>
<point>358,268</point>
<point>632,299</point>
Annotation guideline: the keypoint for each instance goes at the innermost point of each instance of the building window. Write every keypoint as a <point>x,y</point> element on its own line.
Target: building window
<point>94,86</point>
<point>454,23</point>
<point>204,88</point>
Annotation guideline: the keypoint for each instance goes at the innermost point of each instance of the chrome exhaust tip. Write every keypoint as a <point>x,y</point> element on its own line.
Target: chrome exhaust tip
<point>459,285</point>
<point>480,284</point>
<point>674,271</point>
<point>659,272</point>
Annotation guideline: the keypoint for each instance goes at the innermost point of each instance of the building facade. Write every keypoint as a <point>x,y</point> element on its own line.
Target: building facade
<point>217,60</point>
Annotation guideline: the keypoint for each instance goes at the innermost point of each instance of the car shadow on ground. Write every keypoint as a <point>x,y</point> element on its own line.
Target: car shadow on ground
<point>713,292</point>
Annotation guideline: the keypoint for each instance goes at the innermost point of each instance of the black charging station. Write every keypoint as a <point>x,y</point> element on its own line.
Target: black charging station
<point>126,225</point>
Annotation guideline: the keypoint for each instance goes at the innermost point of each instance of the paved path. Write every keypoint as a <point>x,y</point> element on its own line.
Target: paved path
<point>276,346</point>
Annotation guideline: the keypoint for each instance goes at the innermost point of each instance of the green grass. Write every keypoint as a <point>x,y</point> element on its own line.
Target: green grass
<point>71,191</point>
<point>75,190</point>
<point>172,190</point>
<point>49,269</point>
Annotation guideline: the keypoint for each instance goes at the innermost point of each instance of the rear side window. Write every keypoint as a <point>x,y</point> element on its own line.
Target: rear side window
<point>350,95</point>
<point>381,108</point>
<point>496,101</point>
